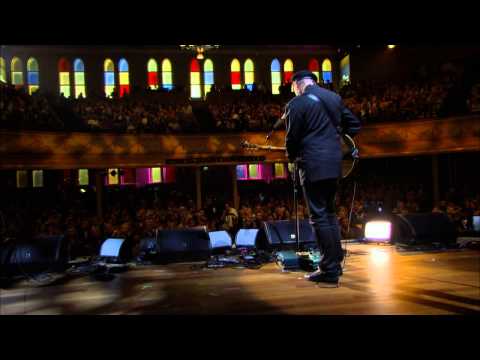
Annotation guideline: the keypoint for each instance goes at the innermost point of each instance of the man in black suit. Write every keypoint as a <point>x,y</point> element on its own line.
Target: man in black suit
<point>315,120</point>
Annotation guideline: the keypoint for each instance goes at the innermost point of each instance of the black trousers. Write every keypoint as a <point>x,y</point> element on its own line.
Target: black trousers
<point>320,199</point>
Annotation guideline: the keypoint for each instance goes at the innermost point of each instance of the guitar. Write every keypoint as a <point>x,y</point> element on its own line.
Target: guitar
<point>349,150</point>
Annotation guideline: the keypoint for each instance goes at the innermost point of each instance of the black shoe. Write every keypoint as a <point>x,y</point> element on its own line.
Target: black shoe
<point>318,276</point>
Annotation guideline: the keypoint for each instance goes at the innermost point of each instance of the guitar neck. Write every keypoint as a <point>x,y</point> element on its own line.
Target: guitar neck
<point>271,148</point>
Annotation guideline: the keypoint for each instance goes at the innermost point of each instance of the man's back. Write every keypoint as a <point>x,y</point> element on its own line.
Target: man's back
<point>313,131</point>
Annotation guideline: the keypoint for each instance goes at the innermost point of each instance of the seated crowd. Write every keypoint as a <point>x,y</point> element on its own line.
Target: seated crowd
<point>224,110</point>
<point>138,213</point>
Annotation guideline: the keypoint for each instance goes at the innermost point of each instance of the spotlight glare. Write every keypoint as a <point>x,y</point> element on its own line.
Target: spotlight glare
<point>391,46</point>
<point>378,231</point>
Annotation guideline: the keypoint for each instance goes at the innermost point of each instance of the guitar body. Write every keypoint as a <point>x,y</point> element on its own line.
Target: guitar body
<point>349,150</point>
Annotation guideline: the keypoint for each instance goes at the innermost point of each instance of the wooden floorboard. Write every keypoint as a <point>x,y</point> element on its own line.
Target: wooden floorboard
<point>377,280</point>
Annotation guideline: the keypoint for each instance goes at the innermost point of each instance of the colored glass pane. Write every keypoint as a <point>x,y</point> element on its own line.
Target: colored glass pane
<point>288,65</point>
<point>80,89</point>
<point>153,80</point>
<point>280,170</point>
<point>326,65</point>
<point>235,77</point>
<point>109,78</point>
<point>327,76</point>
<point>194,78</point>
<point>17,78</point>
<point>3,70</point>
<point>78,65</point>
<point>83,177</point>
<point>16,65</point>
<point>235,65</point>
<point>275,66</point>
<point>242,172</point>
<point>196,91</point>
<point>65,90</point>
<point>32,89</point>
<point>37,178</point>
<point>166,65</point>
<point>167,80</point>
<point>108,65</point>
<point>194,66</point>
<point>63,65</point>
<point>253,172</point>
<point>208,78</point>
<point>22,178</point>
<point>79,78</point>
<point>249,79</point>
<point>123,78</point>
<point>32,65</point>
<point>207,88</point>
<point>32,78</point>
<point>124,89</point>
<point>122,65</point>
<point>64,78</point>
<point>152,65</point>
<point>113,177</point>
<point>208,65</point>
<point>109,90</point>
<point>313,65</point>
<point>156,175</point>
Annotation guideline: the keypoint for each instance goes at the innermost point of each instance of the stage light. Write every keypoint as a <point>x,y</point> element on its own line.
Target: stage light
<point>83,191</point>
<point>391,46</point>
<point>378,231</point>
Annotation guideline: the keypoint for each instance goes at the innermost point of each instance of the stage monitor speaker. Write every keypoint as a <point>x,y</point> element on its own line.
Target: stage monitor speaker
<point>183,245</point>
<point>149,249</point>
<point>246,238</point>
<point>281,235</point>
<point>424,229</point>
<point>220,240</point>
<point>116,250</point>
<point>46,253</point>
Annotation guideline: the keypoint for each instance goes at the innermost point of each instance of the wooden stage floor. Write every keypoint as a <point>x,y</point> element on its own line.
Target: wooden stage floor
<point>377,280</point>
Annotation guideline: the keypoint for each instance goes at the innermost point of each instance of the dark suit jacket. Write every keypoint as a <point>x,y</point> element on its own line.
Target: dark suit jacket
<point>312,133</point>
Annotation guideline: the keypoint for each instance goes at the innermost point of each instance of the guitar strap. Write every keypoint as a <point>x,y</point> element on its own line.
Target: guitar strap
<point>317,99</point>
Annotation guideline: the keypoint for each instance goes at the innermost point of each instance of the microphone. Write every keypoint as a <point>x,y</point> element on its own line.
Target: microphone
<point>277,125</point>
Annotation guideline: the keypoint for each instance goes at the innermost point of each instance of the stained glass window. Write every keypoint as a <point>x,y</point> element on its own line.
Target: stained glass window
<point>254,171</point>
<point>314,67</point>
<point>345,69</point>
<point>123,76</point>
<point>167,77</point>
<point>287,71</point>
<point>208,78</point>
<point>113,177</point>
<point>64,77</point>
<point>3,70</point>
<point>249,70</point>
<point>279,170</point>
<point>235,76</point>
<point>152,74</point>
<point>17,72</point>
<point>156,175</point>
<point>37,178</point>
<point>242,173</point>
<point>327,71</point>
<point>109,77</point>
<point>79,78</point>
<point>83,178</point>
<point>32,75</point>
<point>276,79</point>
<point>195,84</point>
<point>22,178</point>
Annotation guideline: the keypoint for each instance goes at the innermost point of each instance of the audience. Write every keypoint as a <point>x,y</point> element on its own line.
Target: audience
<point>138,213</point>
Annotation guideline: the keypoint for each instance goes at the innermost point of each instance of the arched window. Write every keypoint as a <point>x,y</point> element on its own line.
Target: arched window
<point>83,178</point>
<point>208,79</point>
<point>17,72</point>
<point>37,178</point>
<point>287,70</point>
<point>152,73</point>
<point>327,71</point>
<point>314,67</point>
<point>64,77</point>
<point>235,75</point>
<point>32,75</point>
<point>79,78</point>
<point>249,71</point>
<point>195,85</point>
<point>276,78</point>
<point>345,70</point>
<point>3,70</point>
<point>167,76</point>
<point>109,77</point>
<point>123,77</point>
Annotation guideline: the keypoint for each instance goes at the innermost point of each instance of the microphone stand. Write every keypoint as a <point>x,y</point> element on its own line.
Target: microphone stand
<point>295,203</point>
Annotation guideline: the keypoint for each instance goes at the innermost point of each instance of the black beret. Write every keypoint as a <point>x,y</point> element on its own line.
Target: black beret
<point>304,74</point>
